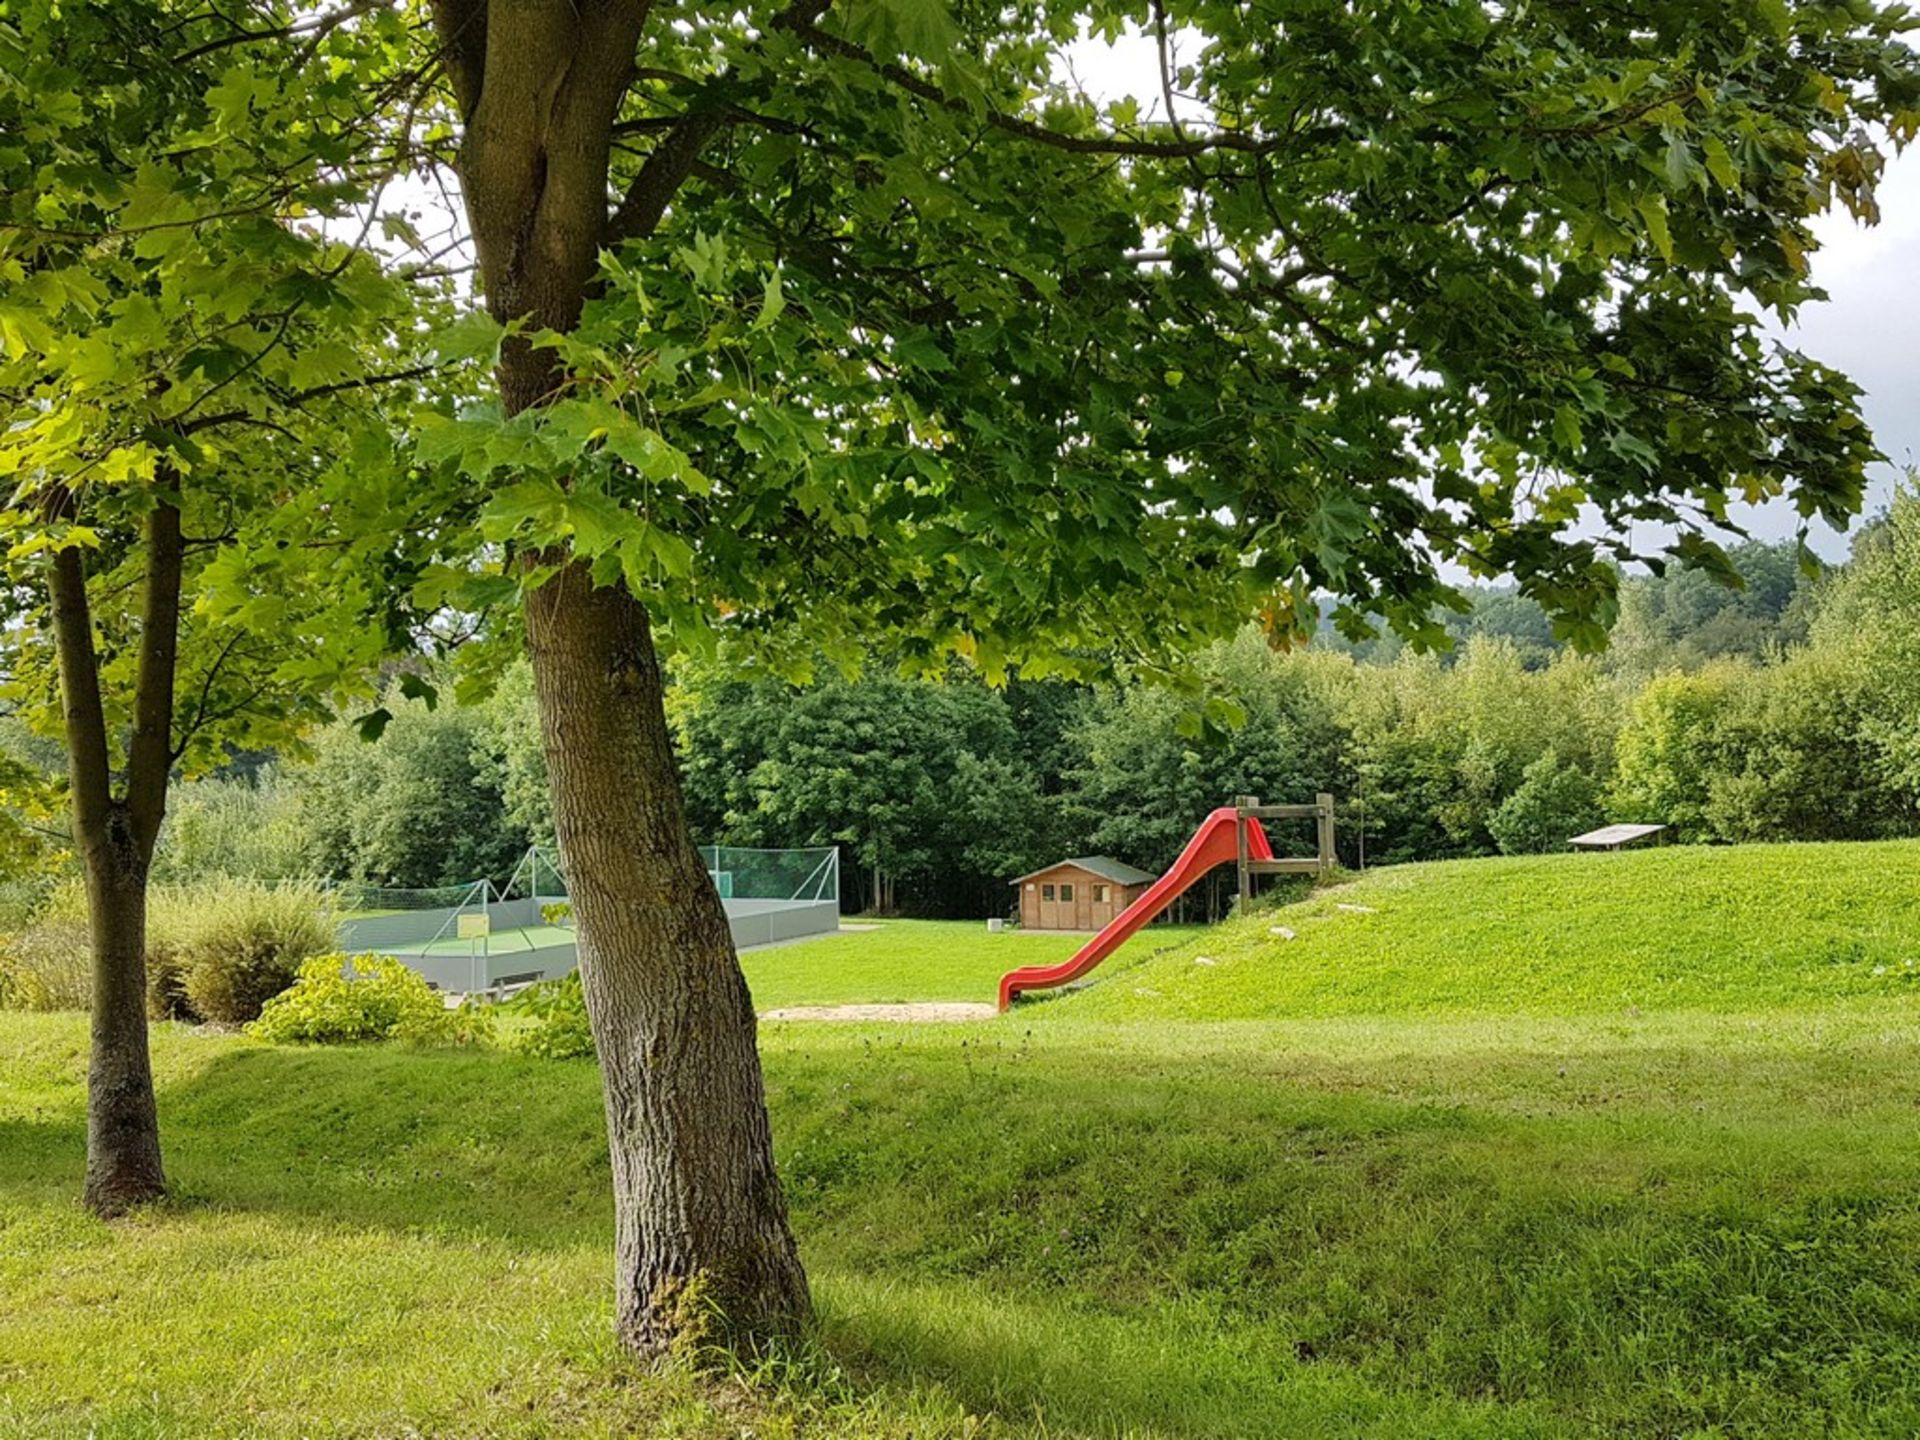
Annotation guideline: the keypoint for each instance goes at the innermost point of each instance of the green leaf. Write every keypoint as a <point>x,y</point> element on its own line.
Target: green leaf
<point>1566,427</point>
<point>476,335</point>
<point>772,301</point>
<point>535,510</point>
<point>414,687</point>
<point>1719,163</point>
<point>1652,206</point>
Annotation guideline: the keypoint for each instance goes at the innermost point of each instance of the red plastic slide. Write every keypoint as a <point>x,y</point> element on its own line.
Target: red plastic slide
<point>1213,844</point>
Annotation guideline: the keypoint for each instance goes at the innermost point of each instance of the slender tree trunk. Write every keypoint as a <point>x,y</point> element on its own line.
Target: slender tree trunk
<point>123,1125</point>
<point>115,837</point>
<point>700,1225</point>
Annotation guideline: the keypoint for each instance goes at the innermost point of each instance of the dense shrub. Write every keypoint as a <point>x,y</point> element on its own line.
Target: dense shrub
<point>558,1012</point>
<point>335,1000</point>
<point>219,950</point>
<point>420,808</point>
<point>1797,761</point>
<point>216,950</point>
<point>1554,803</point>
<point>221,827</point>
<point>1669,751</point>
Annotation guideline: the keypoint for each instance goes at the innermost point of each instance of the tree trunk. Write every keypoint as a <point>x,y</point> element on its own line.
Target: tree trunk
<point>123,1125</point>
<point>116,837</point>
<point>700,1225</point>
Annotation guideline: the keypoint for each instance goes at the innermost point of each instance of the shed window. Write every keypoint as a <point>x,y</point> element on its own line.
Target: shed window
<point>1099,894</point>
<point>1046,892</point>
<point>1066,892</point>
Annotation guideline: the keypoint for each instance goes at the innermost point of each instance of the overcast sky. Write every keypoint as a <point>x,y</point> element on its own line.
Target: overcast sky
<point>1869,329</point>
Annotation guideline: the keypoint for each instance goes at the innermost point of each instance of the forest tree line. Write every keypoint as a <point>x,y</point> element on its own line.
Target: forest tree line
<point>1784,709</point>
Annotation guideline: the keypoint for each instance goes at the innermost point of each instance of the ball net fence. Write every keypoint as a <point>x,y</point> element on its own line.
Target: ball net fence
<point>528,909</point>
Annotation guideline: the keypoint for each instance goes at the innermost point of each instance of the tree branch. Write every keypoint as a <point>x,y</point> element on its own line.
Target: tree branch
<point>661,176</point>
<point>89,769</point>
<point>192,727</point>
<point>150,752</point>
<point>301,397</point>
<point>668,165</point>
<point>317,28</point>
<point>1180,149</point>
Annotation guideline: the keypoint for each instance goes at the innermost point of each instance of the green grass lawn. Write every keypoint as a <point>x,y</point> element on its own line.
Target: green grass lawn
<point>1687,926</point>
<point>1407,1175</point>
<point>900,960</point>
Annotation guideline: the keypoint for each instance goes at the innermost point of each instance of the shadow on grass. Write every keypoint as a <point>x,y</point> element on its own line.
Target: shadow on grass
<point>416,1141</point>
<point>1231,1240</point>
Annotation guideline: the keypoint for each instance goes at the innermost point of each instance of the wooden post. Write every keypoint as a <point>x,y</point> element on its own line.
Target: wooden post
<point>1243,803</point>
<point>1323,827</point>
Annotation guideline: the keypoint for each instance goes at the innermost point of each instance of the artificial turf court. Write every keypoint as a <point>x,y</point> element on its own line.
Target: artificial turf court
<point>526,937</point>
<point>1559,1149</point>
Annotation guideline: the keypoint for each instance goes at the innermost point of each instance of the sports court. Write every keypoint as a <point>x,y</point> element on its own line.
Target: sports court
<point>491,936</point>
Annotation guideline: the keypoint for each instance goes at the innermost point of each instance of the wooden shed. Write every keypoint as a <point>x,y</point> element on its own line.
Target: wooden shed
<point>1079,894</point>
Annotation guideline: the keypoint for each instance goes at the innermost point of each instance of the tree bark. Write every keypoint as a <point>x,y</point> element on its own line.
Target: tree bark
<point>115,836</point>
<point>123,1122</point>
<point>699,1222</point>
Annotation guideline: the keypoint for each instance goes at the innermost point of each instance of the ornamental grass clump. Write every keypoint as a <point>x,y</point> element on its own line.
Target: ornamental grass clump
<point>219,949</point>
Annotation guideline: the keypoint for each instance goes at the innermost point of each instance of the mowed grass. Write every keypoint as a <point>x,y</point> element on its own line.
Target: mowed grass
<point>1726,928</point>
<point>887,961</point>
<point>1108,1214</point>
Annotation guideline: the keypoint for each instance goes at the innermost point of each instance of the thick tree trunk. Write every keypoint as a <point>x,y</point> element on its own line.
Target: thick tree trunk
<point>700,1225</point>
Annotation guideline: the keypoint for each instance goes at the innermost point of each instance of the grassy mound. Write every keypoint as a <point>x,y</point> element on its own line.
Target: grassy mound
<point>885,961</point>
<point>1383,1228</point>
<point>1410,1203</point>
<point>1733,928</point>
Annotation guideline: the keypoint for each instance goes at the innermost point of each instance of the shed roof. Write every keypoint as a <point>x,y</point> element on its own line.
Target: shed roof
<point>1105,866</point>
<point>1609,837</point>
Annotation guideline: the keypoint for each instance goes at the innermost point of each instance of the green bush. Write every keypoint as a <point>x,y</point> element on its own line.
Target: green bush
<point>220,949</point>
<point>216,950</point>
<point>336,1000</point>
<point>1554,803</point>
<point>558,1010</point>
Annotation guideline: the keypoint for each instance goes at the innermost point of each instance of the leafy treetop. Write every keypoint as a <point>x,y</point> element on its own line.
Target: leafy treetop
<point>896,333</point>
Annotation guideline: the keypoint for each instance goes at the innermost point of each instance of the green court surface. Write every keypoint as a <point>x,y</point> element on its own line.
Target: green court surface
<point>497,942</point>
<point>865,962</point>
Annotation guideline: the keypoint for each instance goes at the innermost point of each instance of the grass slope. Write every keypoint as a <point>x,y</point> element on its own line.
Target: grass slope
<point>1685,927</point>
<point>1091,1218</point>
<point>903,960</point>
